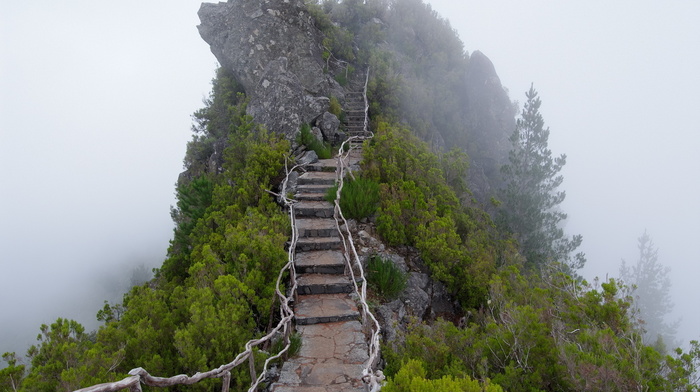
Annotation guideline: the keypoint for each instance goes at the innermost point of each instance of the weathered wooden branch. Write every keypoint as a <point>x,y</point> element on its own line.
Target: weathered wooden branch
<point>133,383</point>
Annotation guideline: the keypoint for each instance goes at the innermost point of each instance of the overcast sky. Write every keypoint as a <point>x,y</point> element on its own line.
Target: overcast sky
<point>95,105</point>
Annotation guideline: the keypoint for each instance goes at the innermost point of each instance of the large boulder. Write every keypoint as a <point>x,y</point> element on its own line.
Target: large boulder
<point>330,127</point>
<point>274,50</point>
<point>245,35</point>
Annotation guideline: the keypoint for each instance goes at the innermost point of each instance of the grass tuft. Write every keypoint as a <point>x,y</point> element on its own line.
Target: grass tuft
<point>305,137</point>
<point>359,198</point>
<point>385,277</point>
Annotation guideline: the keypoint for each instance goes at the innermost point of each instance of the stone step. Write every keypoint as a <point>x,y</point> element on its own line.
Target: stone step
<point>319,243</point>
<point>324,284</point>
<point>317,209</point>
<point>322,189</point>
<point>323,165</point>
<point>320,375</point>
<point>325,308</point>
<point>279,387</point>
<point>320,262</point>
<point>331,358</point>
<point>317,178</point>
<point>310,228</point>
<point>310,196</point>
<point>343,341</point>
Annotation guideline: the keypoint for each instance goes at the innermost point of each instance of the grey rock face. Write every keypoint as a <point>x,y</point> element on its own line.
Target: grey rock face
<point>317,134</point>
<point>415,296</point>
<point>245,35</point>
<point>277,101</point>
<point>307,158</point>
<point>314,106</point>
<point>393,319</point>
<point>329,125</point>
<point>440,300</point>
<point>251,38</point>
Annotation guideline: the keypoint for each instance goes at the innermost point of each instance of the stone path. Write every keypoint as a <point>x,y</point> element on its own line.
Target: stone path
<point>355,114</point>
<point>333,345</point>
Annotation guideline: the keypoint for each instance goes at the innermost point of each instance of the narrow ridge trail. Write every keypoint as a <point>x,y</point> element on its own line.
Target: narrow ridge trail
<point>334,348</point>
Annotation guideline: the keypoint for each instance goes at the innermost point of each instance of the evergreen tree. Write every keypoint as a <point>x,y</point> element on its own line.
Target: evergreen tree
<point>68,358</point>
<point>651,285</point>
<point>12,375</point>
<point>531,196</point>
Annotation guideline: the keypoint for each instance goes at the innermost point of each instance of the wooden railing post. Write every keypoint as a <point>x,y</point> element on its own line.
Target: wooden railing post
<point>226,381</point>
<point>251,365</point>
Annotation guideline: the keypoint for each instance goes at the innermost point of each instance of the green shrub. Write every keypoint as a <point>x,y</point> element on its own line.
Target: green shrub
<point>335,107</point>
<point>385,277</point>
<point>294,347</point>
<point>331,193</point>
<point>359,198</point>
<point>305,137</point>
<point>414,377</point>
<point>341,79</point>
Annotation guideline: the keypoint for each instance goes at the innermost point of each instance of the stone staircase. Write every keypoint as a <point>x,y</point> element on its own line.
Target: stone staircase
<point>355,114</point>
<point>333,345</point>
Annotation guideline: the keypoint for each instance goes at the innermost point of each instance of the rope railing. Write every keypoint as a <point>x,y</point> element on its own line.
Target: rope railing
<point>373,378</point>
<point>364,95</point>
<point>140,376</point>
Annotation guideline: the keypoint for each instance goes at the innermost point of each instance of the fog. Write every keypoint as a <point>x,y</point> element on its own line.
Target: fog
<point>95,104</point>
<point>619,85</point>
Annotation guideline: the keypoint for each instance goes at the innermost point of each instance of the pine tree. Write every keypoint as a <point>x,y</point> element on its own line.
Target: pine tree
<point>652,298</point>
<point>11,376</point>
<point>531,196</point>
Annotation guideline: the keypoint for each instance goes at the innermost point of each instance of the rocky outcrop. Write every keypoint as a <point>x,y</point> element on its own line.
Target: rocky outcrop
<point>423,298</point>
<point>274,51</point>
<point>490,120</point>
<point>278,99</point>
<point>329,125</point>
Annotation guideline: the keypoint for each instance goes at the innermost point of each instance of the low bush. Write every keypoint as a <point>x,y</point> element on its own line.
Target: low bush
<point>385,277</point>
<point>359,198</point>
<point>305,137</point>
<point>294,347</point>
<point>335,107</point>
<point>331,194</point>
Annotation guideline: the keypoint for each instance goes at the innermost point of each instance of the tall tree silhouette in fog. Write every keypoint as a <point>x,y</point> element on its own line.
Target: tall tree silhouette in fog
<point>531,196</point>
<point>651,290</point>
